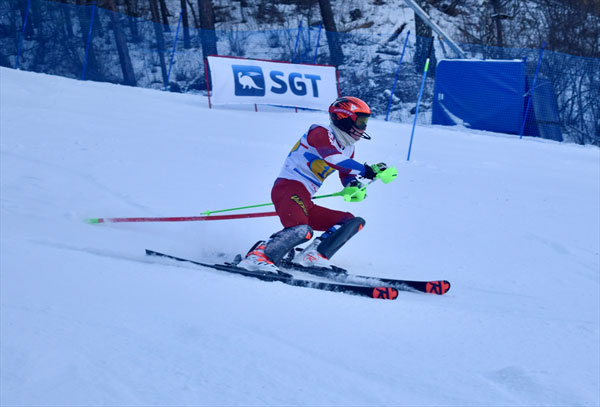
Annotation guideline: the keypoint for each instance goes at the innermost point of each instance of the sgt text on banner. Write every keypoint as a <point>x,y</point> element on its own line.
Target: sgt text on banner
<point>241,81</point>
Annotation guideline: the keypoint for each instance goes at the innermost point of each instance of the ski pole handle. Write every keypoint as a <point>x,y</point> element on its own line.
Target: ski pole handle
<point>348,197</point>
<point>388,175</point>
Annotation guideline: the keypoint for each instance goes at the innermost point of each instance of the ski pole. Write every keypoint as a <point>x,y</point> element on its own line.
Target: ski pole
<point>20,47</point>
<point>412,133</point>
<point>385,176</point>
<point>207,213</point>
<point>89,40</point>
<point>182,218</point>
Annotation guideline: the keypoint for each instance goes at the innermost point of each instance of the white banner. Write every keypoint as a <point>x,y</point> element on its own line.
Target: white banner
<point>237,80</point>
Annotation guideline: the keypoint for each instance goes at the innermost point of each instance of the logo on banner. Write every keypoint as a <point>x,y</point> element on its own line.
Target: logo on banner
<point>249,80</point>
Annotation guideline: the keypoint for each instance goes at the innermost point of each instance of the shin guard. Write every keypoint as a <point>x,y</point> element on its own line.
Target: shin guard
<point>284,240</point>
<point>334,238</point>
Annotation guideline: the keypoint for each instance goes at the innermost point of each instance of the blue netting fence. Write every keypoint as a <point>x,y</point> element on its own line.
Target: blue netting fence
<point>55,39</point>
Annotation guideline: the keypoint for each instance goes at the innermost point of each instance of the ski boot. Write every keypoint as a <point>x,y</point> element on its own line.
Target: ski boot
<point>318,253</point>
<point>310,256</point>
<point>265,256</point>
<point>257,260</point>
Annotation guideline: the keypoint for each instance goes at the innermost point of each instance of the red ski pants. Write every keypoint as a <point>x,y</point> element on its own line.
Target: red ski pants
<point>295,207</point>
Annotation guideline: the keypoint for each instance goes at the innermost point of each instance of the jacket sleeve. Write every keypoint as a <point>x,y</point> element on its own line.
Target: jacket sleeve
<point>347,177</point>
<point>349,168</point>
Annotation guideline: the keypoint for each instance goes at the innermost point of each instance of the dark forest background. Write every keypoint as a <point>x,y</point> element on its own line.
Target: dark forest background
<point>132,40</point>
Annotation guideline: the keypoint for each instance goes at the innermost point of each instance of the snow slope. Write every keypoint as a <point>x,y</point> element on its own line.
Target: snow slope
<point>87,319</point>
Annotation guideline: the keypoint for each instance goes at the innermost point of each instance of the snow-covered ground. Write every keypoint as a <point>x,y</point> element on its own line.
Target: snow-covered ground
<point>87,319</point>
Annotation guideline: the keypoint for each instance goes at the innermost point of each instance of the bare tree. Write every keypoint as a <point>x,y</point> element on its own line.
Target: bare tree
<point>207,26</point>
<point>164,11</point>
<point>126,66</point>
<point>335,47</point>
<point>194,16</point>
<point>424,42</point>
<point>160,39</point>
<point>186,26</point>
<point>243,4</point>
<point>497,16</point>
<point>84,16</point>
<point>131,7</point>
<point>571,29</point>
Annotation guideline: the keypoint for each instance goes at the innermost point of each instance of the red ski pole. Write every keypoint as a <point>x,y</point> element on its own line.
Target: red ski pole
<point>207,215</point>
<point>386,176</point>
<point>183,218</point>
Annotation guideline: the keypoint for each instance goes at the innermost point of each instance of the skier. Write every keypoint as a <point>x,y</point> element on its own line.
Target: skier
<point>319,152</point>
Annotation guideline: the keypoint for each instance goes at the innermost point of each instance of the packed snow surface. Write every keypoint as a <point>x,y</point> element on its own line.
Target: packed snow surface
<point>88,319</point>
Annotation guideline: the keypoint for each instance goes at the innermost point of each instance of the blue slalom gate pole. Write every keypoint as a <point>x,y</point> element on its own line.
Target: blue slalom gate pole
<point>412,133</point>
<point>89,40</point>
<point>317,46</point>
<point>174,48</point>
<point>387,114</point>
<point>22,34</point>
<point>297,40</point>
<point>537,70</point>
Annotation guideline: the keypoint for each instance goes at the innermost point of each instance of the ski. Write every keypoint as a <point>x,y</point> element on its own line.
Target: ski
<point>339,274</point>
<point>370,291</point>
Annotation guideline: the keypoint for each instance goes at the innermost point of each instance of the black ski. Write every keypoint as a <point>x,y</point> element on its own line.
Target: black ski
<point>341,275</point>
<point>382,292</point>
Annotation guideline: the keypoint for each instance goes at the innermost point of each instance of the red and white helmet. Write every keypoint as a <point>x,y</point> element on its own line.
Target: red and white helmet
<point>350,114</point>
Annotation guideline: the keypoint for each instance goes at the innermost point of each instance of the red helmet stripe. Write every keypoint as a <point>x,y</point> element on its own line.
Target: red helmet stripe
<point>333,109</point>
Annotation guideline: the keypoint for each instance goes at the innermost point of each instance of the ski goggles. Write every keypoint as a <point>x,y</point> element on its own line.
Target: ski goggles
<point>361,122</point>
<point>360,119</point>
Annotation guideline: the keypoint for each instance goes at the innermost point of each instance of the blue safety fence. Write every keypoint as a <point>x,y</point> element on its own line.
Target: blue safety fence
<point>62,39</point>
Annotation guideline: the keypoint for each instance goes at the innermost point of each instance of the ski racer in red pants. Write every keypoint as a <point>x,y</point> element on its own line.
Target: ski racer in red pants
<point>318,154</point>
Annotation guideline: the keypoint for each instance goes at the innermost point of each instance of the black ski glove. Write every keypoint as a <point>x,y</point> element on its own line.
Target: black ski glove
<point>371,171</point>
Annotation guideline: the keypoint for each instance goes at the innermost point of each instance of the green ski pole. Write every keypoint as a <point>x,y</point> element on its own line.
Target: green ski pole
<point>207,213</point>
<point>386,176</point>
